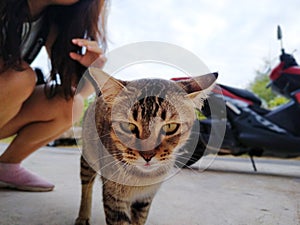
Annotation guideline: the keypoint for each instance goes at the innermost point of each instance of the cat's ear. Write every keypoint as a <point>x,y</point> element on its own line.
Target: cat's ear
<point>198,87</point>
<point>108,86</point>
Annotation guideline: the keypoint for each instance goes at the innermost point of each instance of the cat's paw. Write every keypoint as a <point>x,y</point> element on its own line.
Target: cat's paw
<point>82,221</point>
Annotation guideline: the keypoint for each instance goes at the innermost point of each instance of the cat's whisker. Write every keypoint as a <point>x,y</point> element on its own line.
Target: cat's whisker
<point>111,155</point>
<point>112,164</point>
<point>182,156</point>
<point>104,157</point>
<point>179,153</point>
<point>98,170</point>
<point>114,173</point>
<point>97,138</point>
<point>125,172</point>
<point>95,162</point>
<point>110,178</point>
<point>189,167</point>
<point>104,135</point>
<point>92,139</point>
<point>185,158</point>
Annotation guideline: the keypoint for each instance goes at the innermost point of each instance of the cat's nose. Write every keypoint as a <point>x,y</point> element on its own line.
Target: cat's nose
<point>147,155</point>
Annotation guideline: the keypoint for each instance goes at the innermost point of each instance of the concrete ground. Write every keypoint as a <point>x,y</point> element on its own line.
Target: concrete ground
<point>228,192</point>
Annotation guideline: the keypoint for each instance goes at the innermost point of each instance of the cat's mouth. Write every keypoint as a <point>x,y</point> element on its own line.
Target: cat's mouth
<point>147,164</point>
<point>147,161</point>
<point>151,164</point>
<point>148,167</point>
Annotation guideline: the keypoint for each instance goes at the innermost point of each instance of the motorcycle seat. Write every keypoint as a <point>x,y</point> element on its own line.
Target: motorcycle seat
<point>241,94</point>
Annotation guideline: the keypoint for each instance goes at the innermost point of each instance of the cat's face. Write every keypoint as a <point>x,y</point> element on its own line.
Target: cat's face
<point>150,119</point>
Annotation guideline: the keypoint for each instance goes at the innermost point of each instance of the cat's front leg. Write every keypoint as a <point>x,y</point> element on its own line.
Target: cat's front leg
<point>117,212</point>
<point>139,211</point>
<point>87,175</point>
<point>116,208</point>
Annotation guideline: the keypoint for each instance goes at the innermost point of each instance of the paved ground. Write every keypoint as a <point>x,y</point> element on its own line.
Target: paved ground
<point>226,193</point>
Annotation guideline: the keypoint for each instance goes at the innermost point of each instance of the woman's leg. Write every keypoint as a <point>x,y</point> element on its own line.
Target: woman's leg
<point>39,121</point>
<point>15,88</point>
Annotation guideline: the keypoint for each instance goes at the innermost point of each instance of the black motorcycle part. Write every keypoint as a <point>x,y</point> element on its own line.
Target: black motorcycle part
<point>287,117</point>
<point>286,84</point>
<point>265,141</point>
<point>245,94</point>
<point>288,60</point>
<point>191,154</point>
<point>192,151</point>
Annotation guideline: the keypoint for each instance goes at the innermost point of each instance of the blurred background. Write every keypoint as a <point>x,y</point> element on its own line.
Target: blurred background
<point>235,38</point>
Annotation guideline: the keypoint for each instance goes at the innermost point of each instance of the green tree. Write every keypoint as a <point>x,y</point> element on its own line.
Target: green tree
<point>259,87</point>
<point>87,103</point>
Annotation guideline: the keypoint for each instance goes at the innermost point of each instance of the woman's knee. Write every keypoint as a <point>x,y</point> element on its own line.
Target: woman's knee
<point>70,111</point>
<point>16,86</point>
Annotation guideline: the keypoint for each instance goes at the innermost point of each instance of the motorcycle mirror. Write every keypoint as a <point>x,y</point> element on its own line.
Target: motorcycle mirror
<point>279,37</point>
<point>279,33</point>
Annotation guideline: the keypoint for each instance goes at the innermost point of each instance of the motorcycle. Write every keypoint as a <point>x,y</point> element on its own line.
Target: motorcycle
<point>250,128</point>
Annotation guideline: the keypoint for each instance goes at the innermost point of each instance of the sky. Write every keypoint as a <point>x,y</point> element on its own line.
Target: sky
<point>232,37</point>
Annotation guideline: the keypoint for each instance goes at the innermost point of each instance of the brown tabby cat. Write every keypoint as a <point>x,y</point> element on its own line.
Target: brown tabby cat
<point>131,136</point>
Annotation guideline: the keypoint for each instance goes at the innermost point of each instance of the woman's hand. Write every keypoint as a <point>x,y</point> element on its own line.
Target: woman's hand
<point>93,53</point>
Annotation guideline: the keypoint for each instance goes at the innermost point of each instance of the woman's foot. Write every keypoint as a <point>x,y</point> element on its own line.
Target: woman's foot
<point>14,176</point>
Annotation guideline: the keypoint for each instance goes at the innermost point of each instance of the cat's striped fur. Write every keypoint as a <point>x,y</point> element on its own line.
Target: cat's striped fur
<point>131,135</point>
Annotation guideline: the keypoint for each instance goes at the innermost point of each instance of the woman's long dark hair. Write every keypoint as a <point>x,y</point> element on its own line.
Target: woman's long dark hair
<point>72,21</point>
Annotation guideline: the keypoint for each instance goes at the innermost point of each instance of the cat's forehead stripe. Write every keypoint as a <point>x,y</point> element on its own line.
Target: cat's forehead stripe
<point>148,107</point>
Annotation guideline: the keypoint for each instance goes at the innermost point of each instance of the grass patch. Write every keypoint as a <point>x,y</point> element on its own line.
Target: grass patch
<point>7,140</point>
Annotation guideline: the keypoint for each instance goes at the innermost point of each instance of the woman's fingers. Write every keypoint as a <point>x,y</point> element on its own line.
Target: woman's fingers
<point>75,56</point>
<point>93,52</point>
<point>90,45</point>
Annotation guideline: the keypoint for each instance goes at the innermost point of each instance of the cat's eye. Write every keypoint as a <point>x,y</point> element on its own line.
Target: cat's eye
<point>170,128</point>
<point>129,127</point>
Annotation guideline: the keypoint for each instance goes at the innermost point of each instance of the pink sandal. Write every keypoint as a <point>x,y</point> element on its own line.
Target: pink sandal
<point>14,176</point>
